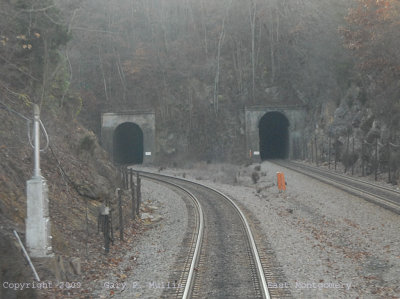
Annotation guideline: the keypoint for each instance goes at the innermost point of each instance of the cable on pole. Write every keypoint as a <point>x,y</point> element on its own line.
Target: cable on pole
<point>44,132</point>
<point>46,135</point>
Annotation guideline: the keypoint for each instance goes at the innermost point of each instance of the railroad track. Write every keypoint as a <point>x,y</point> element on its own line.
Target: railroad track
<point>222,259</point>
<point>380,195</point>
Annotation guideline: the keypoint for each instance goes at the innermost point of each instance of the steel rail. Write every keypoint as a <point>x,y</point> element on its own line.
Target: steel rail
<point>395,192</point>
<point>344,184</point>
<point>256,256</point>
<point>200,232</point>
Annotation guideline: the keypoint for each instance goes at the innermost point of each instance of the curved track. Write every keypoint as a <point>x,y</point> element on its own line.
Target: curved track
<point>382,196</point>
<point>225,262</point>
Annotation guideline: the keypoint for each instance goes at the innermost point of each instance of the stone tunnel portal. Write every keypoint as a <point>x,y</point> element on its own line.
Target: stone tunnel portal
<point>274,136</point>
<point>128,144</point>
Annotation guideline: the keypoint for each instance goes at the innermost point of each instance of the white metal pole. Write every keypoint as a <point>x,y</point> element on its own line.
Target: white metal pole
<point>36,116</point>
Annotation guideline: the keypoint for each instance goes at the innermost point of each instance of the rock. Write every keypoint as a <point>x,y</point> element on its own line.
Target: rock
<point>87,191</point>
<point>75,264</point>
<point>145,216</point>
<point>157,218</point>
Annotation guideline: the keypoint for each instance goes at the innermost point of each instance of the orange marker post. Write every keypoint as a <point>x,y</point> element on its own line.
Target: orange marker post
<point>281,181</point>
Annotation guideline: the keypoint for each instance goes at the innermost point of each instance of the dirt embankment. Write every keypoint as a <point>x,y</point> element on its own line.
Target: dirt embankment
<point>79,176</point>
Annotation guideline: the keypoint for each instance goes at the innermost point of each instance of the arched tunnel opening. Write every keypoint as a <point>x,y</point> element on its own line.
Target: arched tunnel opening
<point>128,144</point>
<point>274,136</point>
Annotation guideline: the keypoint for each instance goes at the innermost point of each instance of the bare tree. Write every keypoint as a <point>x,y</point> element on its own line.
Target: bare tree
<point>252,16</point>
<point>220,42</point>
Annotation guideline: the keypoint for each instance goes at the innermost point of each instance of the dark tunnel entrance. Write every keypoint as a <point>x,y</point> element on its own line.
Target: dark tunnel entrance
<point>274,136</point>
<point>128,144</point>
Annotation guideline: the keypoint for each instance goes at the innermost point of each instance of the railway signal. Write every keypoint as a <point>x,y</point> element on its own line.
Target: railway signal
<point>38,237</point>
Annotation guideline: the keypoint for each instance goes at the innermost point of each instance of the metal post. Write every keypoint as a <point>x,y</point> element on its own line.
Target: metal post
<point>36,118</point>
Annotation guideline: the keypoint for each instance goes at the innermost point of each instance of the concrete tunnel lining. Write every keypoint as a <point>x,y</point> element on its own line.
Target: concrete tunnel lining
<point>274,136</point>
<point>128,144</point>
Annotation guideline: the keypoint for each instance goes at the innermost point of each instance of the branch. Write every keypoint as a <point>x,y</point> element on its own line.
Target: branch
<point>92,30</point>
<point>19,95</point>
<point>18,68</point>
<point>77,28</point>
<point>38,9</point>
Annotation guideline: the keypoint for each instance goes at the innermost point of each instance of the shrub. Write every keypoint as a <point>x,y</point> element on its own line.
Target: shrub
<point>87,144</point>
<point>255,177</point>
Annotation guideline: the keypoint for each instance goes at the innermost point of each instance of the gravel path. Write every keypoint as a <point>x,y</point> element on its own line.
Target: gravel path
<point>145,271</point>
<point>329,244</point>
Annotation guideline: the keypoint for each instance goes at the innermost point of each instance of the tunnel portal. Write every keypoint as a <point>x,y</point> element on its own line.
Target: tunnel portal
<point>274,136</point>
<point>128,144</point>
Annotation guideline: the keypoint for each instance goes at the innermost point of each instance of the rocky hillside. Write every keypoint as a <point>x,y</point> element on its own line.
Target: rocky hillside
<point>79,177</point>
<point>33,69</point>
<point>362,140</point>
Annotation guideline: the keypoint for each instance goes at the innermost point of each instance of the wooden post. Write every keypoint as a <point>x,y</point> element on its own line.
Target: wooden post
<point>121,171</point>
<point>362,158</point>
<point>336,152</point>
<point>312,152</point>
<point>121,220</point>
<point>352,155</point>
<point>110,219</point>
<point>126,178</point>
<point>130,178</point>
<point>138,193</point>
<point>132,194</point>
<point>316,150</point>
<point>106,234</point>
<point>347,150</point>
<point>329,151</point>
<point>376,159</point>
<point>389,168</point>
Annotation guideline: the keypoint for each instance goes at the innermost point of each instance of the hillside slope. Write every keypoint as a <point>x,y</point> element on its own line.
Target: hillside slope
<point>79,177</point>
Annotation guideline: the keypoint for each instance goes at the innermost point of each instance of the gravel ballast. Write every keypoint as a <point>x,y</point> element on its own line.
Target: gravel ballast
<point>154,252</point>
<point>329,244</point>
